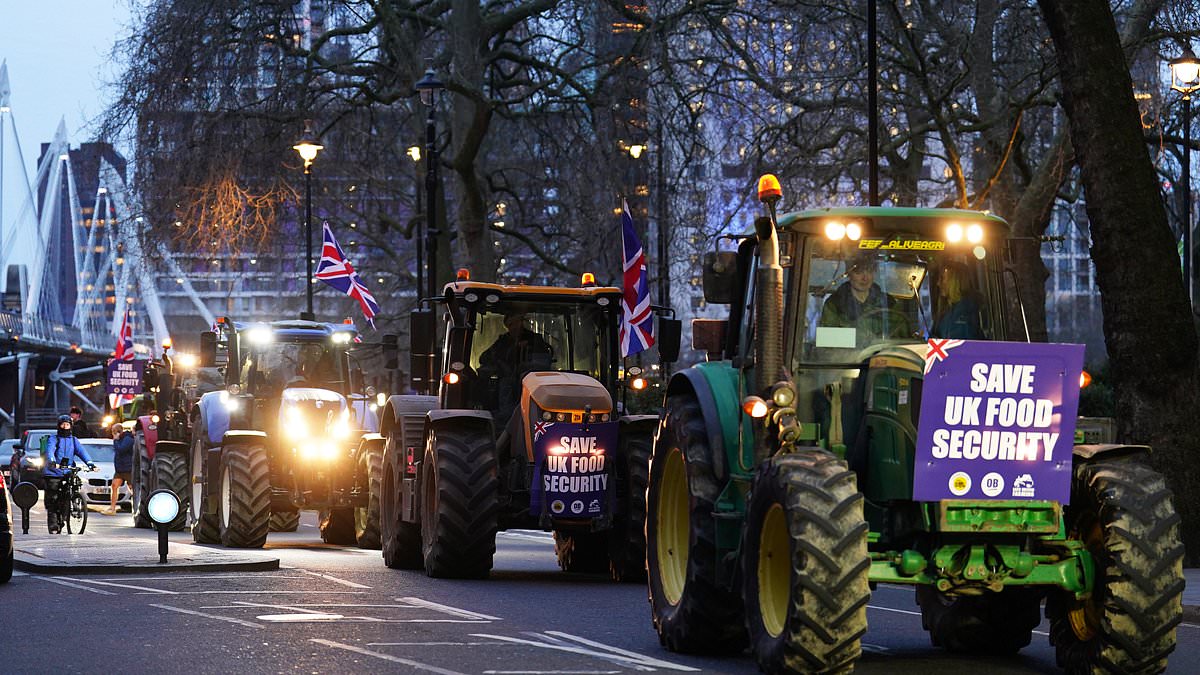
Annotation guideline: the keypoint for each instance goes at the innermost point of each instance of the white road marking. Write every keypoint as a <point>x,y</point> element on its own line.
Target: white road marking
<point>889,609</point>
<point>145,589</point>
<point>527,537</point>
<point>259,592</point>
<point>19,573</point>
<point>617,650</point>
<point>173,577</point>
<point>386,657</point>
<point>604,652</point>
<point>551,672</point>
<point>437,644</point>
<point>1189,625</point>
<point>206,615</point>
<point>300,618</point>
<point>874,649</point>
<point>336,580</point>
<point>446,609</point>
<point>67,583</point>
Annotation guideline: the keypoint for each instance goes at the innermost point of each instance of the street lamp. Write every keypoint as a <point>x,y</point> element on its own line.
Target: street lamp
<point>429,86</point>
<point>414,152</point>
<point>1185,79</point>
<point>308,146</point>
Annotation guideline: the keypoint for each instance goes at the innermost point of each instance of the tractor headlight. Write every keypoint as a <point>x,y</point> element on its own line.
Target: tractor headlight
<point>341,425</point>
<point>231,403</point>
<point>37,461</point>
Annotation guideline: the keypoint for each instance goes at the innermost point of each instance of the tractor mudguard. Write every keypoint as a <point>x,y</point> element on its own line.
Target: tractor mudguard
<point>1090,451</point>
<point>715,387</point>
<point>149,432</point>
<point>402,405</point>
<point>635,424</point>
<point>215,416</point>
<point>177,447</point>
<point>467,418</point>
<point>403,419</point>
<point>212,463</point>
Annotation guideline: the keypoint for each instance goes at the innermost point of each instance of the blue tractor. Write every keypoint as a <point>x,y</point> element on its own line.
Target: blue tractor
<point>293,429</point>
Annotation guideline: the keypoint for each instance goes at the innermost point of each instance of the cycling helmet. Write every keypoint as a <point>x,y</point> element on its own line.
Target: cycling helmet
<point>64,425</point>
<point>64,418</point>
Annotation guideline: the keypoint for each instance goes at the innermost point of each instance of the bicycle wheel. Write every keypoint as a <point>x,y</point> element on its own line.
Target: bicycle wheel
<point>77,520</point>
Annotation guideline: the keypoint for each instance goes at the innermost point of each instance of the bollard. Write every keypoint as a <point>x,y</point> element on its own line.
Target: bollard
<point>163,507</point>
<point>24,495</point>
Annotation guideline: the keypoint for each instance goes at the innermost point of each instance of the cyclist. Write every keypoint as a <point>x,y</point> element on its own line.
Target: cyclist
<point>61,451</point>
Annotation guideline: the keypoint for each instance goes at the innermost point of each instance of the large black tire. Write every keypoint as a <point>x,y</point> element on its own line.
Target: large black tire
<point>245,511</point>
<point>401,540</point>
<point>171,473</point>
<point>1123,513</point>
<point>284,521</point>
<point>337,526</point>
<point>692,611</point>
<point>366,518</point>
<point>582,552</point>
<point>627,538</point>
<point>805,565</point>
<point>994,623</point>
<point>459,504</point>
<point>205,526</point>
<point>143,482</point>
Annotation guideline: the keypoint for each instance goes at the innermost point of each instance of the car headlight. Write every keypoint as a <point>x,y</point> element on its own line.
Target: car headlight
<point>37,461</point>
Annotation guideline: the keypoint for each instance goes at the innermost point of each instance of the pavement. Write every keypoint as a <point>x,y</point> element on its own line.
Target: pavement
<point>104,549</point>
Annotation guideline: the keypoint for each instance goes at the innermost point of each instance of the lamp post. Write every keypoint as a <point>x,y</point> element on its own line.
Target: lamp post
<point>1185,79</point>
<point>429,86</point>
<point>414,153</point>
<point>308,147</point>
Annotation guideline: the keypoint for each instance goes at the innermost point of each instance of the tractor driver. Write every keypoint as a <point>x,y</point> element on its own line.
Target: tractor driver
<point>860,303</point>
<point>508,359</point>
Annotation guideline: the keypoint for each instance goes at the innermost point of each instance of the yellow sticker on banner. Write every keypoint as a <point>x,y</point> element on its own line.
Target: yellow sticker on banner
<point>902,245</point>
<point>577,417</point>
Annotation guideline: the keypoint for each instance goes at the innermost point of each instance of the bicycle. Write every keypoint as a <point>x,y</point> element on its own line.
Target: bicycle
<point>69,506</point>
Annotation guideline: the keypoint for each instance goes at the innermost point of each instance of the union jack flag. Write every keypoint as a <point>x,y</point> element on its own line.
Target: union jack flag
<point>336,271</point>
<point>939,350</point>
<point>540,428</point>
<point>124,350</point>
<point>637,320</point>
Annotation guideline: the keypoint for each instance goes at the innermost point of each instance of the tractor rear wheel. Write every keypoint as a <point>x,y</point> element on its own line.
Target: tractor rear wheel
<point>993,623</point>
<point>143,482</point>
<point>337,526</point>
<point>459,503</point>
<point>692,610</point>
<point>284,521</point>
<point>205,526</point>
<point>401,540</point>
<point>1123,513</point>
<point>627,539</point>
<point>171,473</point>
<point>366,518</point>
<point>582,552</point>
<point>805,564</point>
<point>245,511</point>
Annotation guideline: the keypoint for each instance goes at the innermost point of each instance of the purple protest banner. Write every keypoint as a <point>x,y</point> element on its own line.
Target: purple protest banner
<point>997,421</point>
<point>124,378</point>
<point>571,476</point>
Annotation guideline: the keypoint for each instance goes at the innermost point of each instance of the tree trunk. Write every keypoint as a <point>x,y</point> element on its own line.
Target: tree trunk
<point>1148,325</point>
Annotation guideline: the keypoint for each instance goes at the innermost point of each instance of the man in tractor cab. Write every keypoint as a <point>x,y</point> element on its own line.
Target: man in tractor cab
<point>860,303</point>
<point>516,352</point>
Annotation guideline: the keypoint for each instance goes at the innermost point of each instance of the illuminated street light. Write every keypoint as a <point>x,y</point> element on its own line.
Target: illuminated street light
<point>308,147</point>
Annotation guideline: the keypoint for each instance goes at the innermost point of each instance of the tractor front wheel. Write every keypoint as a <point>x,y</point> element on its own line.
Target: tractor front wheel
<point>171,473</point>
<point>627,539</point>
<point>245,511</point>
<point>459,504</point>
<point>582,552</point>
<point>805,564</point>
<point>366,518</point>
<point>692,610</point>
<point>337,526</point>
<point>284,521</point>
<point>205,526</point>
<point>1123,513</point>
<point>401,540</point>
<point>143,482</point>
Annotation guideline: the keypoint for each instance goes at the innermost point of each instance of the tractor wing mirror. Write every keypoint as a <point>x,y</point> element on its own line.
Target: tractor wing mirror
<point>708,335</point>
<point>720,276</point>
<point>208,349</point>
<point>669,334</point>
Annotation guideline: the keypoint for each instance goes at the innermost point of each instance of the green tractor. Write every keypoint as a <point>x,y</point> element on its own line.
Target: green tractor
<point>791,471</point>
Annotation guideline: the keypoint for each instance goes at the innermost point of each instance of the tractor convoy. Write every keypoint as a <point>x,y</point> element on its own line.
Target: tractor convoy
<point>864,415</point>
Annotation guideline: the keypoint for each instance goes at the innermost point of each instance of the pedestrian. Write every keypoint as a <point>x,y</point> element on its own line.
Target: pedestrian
<point>78,425</point>
<point>122,464</point>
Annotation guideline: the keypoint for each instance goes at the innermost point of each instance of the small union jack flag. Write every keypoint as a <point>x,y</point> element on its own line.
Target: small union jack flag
<point>637,321</point>
<point>124,350</point>
<point>939,351</point>
<point>540,428</point>
<point>336,271</point>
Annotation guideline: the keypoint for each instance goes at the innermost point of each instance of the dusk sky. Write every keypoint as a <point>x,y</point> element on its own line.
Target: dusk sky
<point>59,65</point>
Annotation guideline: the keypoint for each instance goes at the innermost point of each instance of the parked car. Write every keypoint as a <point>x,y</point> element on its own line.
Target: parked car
<point>12,460</point>
<point>32,457</point>
<point>6,534</point>
<point>97,485</point>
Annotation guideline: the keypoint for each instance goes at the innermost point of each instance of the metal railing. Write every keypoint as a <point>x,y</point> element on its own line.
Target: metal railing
<point>40,332</point>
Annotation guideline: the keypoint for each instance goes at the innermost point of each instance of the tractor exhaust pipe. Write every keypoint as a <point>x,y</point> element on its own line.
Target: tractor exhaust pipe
<point>768,318</point>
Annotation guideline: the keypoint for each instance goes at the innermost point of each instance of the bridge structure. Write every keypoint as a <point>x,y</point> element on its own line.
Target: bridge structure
<point>73,259</point>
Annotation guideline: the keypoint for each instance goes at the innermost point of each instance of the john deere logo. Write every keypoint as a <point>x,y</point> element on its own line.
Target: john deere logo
<point>557,506</point>
<point>960,483</point>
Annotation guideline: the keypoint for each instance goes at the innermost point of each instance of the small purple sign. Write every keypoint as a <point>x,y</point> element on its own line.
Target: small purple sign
<point>572,477</point>
<point>124,378</point>
<point>997,421</point>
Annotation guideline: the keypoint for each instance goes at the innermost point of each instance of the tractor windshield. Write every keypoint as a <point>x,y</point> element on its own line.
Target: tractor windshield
<point>269,368</point>
<point>857,300</point>
<point>540,336</point>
